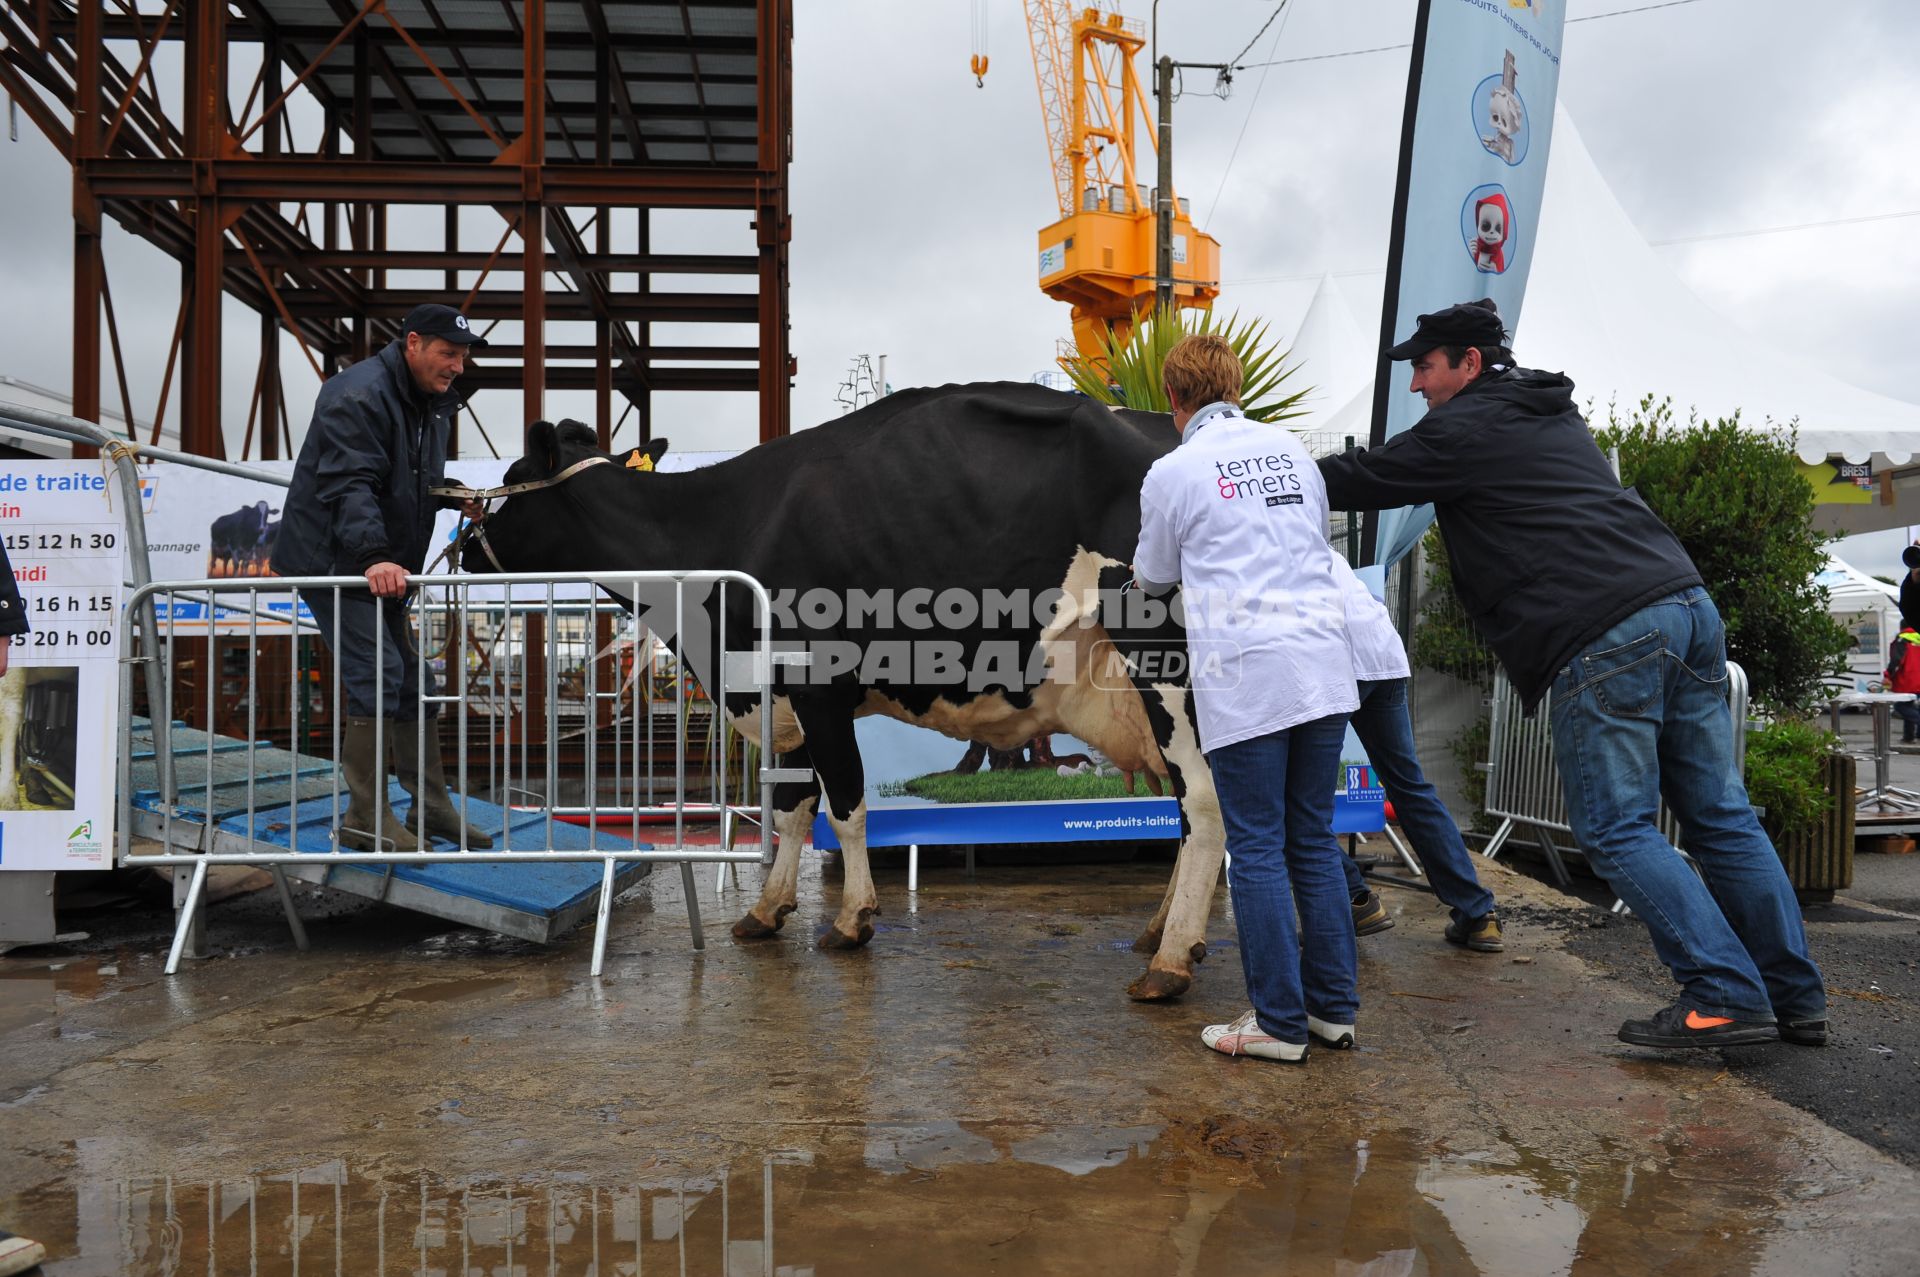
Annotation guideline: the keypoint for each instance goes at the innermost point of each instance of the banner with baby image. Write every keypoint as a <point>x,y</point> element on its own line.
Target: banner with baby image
<point>1473,169</point>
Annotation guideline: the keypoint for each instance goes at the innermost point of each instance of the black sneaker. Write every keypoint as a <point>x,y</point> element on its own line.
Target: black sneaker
<point>1804,1032</point>
<point>1681,1026</point>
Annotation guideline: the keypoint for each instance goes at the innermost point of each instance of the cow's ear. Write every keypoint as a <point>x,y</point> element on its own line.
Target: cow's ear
<point>571,431</point>
<point>645,456</point>
<point>543,445</point>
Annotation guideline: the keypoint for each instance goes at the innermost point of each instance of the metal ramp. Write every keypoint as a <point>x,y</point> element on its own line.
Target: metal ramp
<point>285,802</point>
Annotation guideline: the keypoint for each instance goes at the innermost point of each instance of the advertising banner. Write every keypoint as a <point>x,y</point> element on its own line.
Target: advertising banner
<point>926,789</point>
<point>64,539</point>
<point>1473,168</point>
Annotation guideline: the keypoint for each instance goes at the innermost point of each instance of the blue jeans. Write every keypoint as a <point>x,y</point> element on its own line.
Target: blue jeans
<point>1642,711</point>
<point>1276,799</point>
<point>1386,732</point>
<point>357,655</point>
<point>1909,713</point>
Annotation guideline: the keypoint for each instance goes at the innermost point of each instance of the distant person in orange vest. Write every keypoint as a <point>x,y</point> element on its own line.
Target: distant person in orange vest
<point>1903,675</point>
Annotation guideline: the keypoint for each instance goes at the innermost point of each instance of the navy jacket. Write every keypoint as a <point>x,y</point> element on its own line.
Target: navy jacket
<point>359,494</point>
<point>13,611</point>
<point>1548,551</point>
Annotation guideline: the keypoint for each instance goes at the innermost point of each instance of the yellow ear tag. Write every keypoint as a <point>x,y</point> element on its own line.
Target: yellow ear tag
<point>638,460</point>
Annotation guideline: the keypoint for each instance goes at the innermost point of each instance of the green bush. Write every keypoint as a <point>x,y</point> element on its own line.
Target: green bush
<point>1444,638</point>
<point>1737,500</point>
<point>1783,774</point>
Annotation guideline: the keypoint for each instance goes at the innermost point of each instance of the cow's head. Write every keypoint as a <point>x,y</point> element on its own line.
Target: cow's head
<point>554,528</point>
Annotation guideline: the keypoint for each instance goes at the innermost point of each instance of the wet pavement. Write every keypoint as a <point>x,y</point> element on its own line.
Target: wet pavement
<point>972,1093</point>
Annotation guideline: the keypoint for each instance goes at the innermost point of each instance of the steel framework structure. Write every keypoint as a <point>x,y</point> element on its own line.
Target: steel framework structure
<point>560,115</point>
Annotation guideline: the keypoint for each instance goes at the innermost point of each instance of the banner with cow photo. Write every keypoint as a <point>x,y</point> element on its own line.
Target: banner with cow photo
<point>926,789</point>
<point>1473,170</point>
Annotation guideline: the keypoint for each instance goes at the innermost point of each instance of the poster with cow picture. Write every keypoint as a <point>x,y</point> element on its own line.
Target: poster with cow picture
<point>60,689</point>
<point>927,789</point>
<point>240,542</point>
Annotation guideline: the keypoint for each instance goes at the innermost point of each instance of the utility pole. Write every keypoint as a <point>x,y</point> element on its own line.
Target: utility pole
<point>1163,210</point>
<point>1163,205</point>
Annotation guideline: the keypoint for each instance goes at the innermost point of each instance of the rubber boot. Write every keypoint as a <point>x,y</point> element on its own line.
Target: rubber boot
<point>366,776</point>
<point>427,782</point>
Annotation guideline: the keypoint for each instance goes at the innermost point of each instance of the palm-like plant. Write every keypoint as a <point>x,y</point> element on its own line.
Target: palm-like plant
<point>1128,371</point>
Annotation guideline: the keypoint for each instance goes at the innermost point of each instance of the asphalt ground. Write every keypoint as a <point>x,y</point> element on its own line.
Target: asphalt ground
<point>1867,942</point>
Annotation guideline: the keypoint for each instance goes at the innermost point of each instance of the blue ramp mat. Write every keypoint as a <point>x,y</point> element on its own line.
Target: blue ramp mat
<point>296,793</point>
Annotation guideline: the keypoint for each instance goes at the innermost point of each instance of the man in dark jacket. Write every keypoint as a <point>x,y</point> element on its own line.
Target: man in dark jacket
<point>360,506</point>
<point>1580,589</point>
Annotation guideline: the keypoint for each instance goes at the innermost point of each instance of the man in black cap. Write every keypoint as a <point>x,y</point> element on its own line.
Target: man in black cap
<point>359,506</point>
<point>1580,590</point>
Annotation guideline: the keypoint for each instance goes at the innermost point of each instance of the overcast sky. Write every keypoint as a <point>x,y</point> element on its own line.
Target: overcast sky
<point>917,197</point>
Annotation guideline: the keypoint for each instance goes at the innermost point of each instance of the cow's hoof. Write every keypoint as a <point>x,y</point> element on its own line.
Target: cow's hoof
<point>1149,941</point>
<point>1156,985</point>
<point>753,927</point>
<point>1199,951</point>
<point>834,938</point>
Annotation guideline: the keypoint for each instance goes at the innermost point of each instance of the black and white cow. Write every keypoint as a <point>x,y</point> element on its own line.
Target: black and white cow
<point>233,542</point>
<point>996,491</point>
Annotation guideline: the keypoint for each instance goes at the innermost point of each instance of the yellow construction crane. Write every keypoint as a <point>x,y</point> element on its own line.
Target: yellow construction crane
<point>1099,256</point>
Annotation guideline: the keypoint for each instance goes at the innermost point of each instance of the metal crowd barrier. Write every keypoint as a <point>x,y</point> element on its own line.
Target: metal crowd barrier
<point>1523,783</point>
<point>512,758</point>
<point>519,707</point>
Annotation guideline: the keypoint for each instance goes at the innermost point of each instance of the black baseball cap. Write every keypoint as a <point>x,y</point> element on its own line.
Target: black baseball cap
<point>430,319</point>
<point>1467,324</point>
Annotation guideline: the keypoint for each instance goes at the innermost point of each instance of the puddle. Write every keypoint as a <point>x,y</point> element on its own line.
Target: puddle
<point>1216,1194</point>
<point>450,990</point>
<point>31,992</point>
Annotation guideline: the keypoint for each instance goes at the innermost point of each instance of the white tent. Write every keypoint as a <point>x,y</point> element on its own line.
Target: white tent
<point>1602,307</point>
<point>1870,609</point>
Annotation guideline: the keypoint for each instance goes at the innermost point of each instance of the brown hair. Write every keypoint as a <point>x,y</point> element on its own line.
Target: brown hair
<point>1202,369</point>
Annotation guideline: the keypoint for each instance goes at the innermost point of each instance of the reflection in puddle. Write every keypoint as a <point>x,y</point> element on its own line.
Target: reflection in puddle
<point>1223,1194</point>
<point>32,992</point>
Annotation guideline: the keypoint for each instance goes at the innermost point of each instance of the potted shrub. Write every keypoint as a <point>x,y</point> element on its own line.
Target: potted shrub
<point>1797,774</point>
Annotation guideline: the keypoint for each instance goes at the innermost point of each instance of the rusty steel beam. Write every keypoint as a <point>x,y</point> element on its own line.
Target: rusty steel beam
<point>89,267</point>
<point>581,377</point>
<point>185,187</point>
<point>121,27</point>
<point>500,351</point>
<point>773,228</point>
<point>532,144</point>
<point>289,181</point>
<point>442,259</point>
<point>206,127</point>
<point>688,308</point>
<point>619,84</point>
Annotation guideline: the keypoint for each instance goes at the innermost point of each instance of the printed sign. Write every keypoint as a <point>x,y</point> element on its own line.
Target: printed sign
<point>65,541</point>
<point>927,789</point>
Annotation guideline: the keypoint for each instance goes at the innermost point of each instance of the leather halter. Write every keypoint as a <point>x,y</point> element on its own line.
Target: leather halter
<point>484,496</point>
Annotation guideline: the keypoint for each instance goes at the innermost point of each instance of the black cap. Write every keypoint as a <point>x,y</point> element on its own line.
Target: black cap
<point>1467,324</point>
<point>430,319</point>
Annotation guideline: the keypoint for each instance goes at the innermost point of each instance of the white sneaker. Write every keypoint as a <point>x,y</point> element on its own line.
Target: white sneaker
<point>17,1254</point>
<point>1245,1037</point>
<point>1327,1033</point>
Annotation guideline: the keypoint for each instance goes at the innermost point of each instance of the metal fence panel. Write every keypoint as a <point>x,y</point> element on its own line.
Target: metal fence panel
<point>527,682</point>
<point>1523,781</point>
